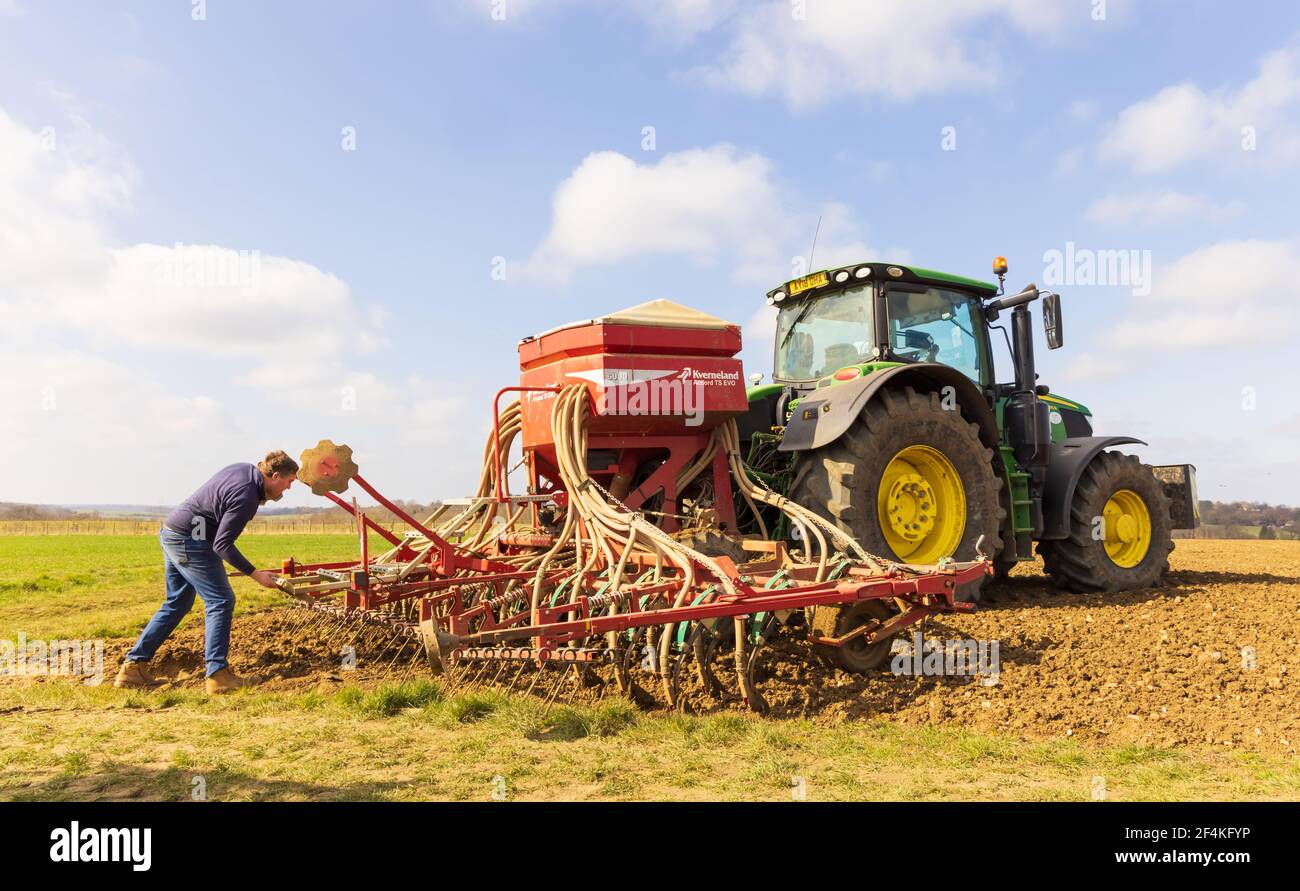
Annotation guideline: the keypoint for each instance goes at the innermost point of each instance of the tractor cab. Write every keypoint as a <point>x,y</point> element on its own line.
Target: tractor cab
<point>872,314</point>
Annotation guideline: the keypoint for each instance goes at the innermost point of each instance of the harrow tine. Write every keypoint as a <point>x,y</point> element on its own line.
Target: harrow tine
<point>333,624</point>
<point>320,623</point>
<point>479,671</point>
<point>388,668</point>
<point>309,615</point>
<point>381,644</point>
<point>412,669</point>
<point>673,681</point>
<point>519,672</point>
<point>315,625</point>
<point>550,698</point>
<point>440,663</point>
<point>747,661</point>
<point>577,685</point>
<point>703,643</point>
<point>350,620</point>
<point>537,676</point>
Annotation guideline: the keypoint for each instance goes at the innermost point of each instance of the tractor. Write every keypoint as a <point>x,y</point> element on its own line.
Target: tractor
<point>886,417</point>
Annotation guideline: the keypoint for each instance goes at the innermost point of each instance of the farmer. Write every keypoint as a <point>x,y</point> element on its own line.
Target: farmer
<point>195,538</point>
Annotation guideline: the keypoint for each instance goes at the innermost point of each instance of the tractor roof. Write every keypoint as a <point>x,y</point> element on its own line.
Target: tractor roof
<point>882,271</point>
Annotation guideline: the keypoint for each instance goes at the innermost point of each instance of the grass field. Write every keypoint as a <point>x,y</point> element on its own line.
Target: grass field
<point>62,740</point>
<point>89,586</point>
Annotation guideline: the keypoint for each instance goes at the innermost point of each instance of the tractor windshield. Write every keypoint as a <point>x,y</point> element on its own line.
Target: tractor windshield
<point>820,335</point>
<point>935,325</point>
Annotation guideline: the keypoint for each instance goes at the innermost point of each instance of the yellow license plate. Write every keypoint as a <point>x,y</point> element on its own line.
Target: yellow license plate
<point>807,283</point>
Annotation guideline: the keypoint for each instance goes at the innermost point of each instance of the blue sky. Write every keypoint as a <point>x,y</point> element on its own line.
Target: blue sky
<point>147,136</point>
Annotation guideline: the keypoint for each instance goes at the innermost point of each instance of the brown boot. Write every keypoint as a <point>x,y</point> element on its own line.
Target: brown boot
<point>134,676</point>
<point>226,681</point>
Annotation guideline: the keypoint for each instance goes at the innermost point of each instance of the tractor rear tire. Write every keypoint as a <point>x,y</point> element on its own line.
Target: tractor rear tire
<point>842,481</point>
<point>1120,529</point>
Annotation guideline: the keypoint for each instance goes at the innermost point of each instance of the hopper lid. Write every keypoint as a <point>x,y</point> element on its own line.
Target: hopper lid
<point>656,313</point>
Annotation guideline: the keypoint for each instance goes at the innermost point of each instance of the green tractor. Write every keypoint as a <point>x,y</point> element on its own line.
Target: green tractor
<point>885,416</point>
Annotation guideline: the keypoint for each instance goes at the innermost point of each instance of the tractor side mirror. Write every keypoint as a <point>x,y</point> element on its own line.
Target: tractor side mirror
<point>1052,320</point>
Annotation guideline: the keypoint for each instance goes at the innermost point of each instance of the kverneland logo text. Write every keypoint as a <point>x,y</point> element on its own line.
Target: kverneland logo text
<point>695,374</point>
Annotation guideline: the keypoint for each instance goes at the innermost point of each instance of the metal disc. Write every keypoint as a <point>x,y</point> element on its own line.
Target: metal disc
<point>327,467</point>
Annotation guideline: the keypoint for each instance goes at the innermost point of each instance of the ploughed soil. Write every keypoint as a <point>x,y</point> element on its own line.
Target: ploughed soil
<point>286,649</point>
<point>1209,659</point>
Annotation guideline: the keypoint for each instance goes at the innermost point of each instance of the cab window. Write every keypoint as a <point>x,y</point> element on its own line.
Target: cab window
<point>935,325</point>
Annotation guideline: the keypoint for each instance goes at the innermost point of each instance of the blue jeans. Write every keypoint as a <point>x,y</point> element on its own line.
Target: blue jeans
<point>190,566</point>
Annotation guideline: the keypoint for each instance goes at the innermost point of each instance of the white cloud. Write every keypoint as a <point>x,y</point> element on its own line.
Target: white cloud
<point>811,51</point>
<point>78,425</point>
<point>1088,367</point>
<point>707,206</point>
<point>57,187</point>
<point>1253,272</point>
<point>88,426</point>
<point>684,19</point>
<point>694,203</point>
<point>898,49</point>
<point>1220,295</point>
<point>60,269</point>
<point>679,20</point>
<point>1183,123</point>
<point>1156,207</point>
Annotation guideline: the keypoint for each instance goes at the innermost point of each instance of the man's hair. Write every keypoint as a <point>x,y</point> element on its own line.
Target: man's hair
<point>277,462</point>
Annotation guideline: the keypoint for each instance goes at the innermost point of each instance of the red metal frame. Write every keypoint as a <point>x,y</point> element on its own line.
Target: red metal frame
<point>445,571</point>
<point>479,632</point>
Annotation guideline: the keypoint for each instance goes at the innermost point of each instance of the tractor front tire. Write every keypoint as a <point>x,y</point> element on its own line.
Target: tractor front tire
<point>1120,529</point>
<point>910,480</point>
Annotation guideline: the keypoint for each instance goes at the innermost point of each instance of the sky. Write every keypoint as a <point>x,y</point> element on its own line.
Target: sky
<point>228,227</point>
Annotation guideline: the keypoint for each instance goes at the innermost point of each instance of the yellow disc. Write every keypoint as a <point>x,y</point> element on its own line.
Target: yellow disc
<point>921,505</point>
<point>1127,525</point>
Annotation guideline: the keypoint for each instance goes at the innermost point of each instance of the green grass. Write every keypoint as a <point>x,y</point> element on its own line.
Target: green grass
<point>417,740</point>
<point>56,587</point>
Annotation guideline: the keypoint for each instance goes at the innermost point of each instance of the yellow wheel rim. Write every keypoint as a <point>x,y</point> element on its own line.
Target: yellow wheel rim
<point>1127,525</point>
<point>921,505</point>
